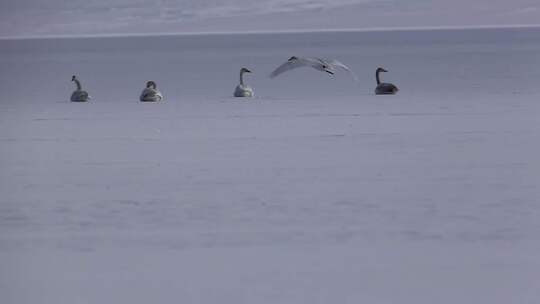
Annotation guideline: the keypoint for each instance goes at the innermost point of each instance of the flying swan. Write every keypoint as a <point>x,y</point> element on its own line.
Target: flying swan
<point>150,93</point>
<point>382,87</point>
<point>79,95</point>
<point>243,90</point>
<point>324,65</point>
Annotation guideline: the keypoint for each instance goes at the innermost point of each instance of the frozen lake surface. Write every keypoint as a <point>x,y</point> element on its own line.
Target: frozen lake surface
<point>76,17</point>
<point>315,191</point>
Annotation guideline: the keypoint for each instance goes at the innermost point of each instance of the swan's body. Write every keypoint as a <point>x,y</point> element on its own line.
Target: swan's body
<point>324,65</point>
<point>243,90</point>
<point>150,93</point>
<point>79,95</point>
<point>382,87</point>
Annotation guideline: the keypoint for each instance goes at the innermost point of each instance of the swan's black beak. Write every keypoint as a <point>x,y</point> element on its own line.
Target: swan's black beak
<point>248,71</point>
<point>329,72</point>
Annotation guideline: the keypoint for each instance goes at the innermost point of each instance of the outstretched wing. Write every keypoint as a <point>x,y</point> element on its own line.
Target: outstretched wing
<point>287,66</point>
<point>294,64</point>
<point>339,64</point>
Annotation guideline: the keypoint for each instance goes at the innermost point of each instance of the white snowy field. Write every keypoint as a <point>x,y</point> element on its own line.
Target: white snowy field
<point>77,17</point>
<point>315,191</point>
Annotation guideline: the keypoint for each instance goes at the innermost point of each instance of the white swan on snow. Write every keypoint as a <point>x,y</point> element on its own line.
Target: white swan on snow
<point>242,90</point>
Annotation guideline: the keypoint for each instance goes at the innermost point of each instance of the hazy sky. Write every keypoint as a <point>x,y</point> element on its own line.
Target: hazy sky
<point>74,17</point>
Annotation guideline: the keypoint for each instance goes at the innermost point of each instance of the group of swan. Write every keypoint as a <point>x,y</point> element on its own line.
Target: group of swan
<point>330,66</point>
<point>150,93</point>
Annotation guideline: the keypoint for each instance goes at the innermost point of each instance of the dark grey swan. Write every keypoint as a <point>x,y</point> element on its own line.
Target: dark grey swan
<point>150,93</point>
<point>79,95</point>
<point>384,88</point>
<point>243,90</point>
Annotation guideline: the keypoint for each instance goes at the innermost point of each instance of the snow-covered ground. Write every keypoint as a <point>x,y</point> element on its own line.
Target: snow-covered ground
<point>76,17</point>
<point>315,191</point>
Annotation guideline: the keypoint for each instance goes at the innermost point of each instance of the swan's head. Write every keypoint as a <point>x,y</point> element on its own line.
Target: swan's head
<point>245,70</point>
<point>381,70</point>
<point>73,78</point>
<point>150,84</point>
<point>293,58</point>
<point>327,69</point>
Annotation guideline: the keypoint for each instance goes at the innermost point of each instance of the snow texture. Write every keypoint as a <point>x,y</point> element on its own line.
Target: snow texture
<point>315,191</point>
<point>21,18</point>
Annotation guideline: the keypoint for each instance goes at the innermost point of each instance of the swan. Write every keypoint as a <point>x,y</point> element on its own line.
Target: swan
<point>79,95</point>
<point>243,90</point>
<point>150,93</point>
<point>324,65</point>
<point>384,88</point>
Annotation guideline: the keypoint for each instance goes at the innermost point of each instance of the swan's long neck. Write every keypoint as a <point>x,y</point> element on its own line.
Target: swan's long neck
<point>241,78</point>
<point>78,83</point>
<point>377,77</point>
